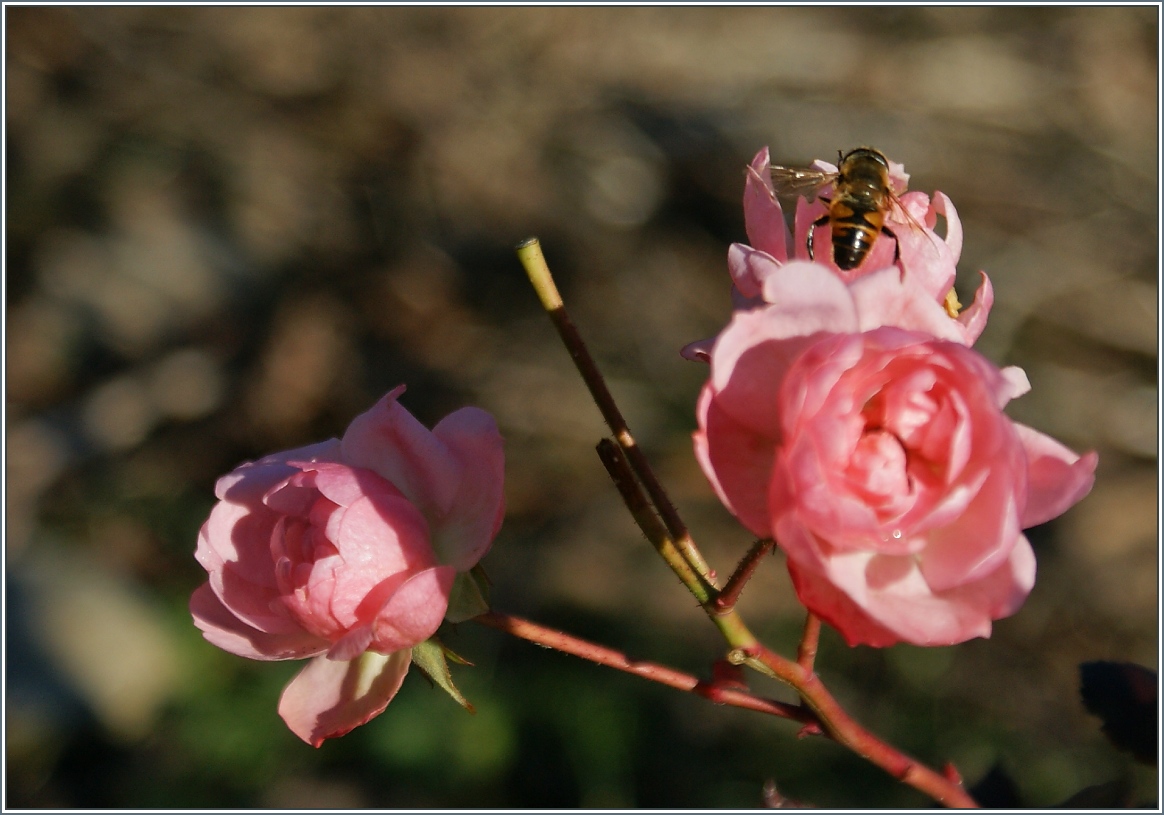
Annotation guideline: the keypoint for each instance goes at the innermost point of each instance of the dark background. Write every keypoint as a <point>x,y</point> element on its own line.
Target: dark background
<point>231,229</point>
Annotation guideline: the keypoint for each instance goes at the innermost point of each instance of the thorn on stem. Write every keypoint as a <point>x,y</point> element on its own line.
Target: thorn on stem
<point>951,773</point>
<point>810,729</point>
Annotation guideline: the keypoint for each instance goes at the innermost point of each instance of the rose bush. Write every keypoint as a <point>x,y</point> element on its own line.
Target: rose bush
<point>856,428</point>
<point>347,551</point>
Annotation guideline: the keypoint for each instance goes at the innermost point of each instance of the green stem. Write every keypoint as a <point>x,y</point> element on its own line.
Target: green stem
<point>614,459</point>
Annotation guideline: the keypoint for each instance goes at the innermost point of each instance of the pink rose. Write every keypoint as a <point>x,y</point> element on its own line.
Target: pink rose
<point>927,264</point>
<point>879,458</point>
<point>346,551</point>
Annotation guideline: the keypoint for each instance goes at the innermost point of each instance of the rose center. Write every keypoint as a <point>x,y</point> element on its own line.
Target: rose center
<point>878,470</point>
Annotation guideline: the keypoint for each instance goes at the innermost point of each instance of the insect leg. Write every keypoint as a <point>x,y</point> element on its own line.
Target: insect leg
<point>896,243</point>
<point>821,221</point>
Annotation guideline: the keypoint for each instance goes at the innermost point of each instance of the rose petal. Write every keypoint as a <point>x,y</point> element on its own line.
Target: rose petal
<point>888,298</point>
<point>234,548</point>
<point>249,482</point>
<point>980,540</point>
<point>942,205</point>
<point>973,318</point>
<point>227,535</point>
<point>738,464</point>
<point>345,484</point>
<point>763,217</point>
<point>806,298</point>
<point>415,610</point>
<point>881,599</point>
<point>351,644</point>
<point>698,351</point>
<point>464,535</point>
<point>748,364</point>
<point>222,628</point>
<point>808,213</point>
<point>749,268</point>
<point>389,440</point>
<point>835,608</point>
<point>1057,478</point>
<point>329,698</point>
<point>376,540</point>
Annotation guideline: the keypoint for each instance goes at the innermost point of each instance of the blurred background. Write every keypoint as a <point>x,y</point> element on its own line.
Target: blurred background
<point>229,230</point>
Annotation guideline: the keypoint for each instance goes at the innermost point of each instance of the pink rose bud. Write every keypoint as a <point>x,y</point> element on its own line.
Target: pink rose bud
<point>879,458</point>
<point>346,551</point>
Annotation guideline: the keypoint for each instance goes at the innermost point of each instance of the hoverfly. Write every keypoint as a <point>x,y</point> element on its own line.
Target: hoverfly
<point>862,196</point>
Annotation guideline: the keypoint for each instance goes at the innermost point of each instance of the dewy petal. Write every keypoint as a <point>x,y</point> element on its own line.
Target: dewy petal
<point>329,698</point>
<point>389,440</point>
<point>978,541</point>
<point>464,535</point>
<point>221,628</point>
<point>763,217</point>
<point>1057,478</point>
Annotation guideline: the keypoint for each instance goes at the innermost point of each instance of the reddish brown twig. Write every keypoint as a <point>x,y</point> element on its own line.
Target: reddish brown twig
<point>720,694</point>
<point>731,592</point>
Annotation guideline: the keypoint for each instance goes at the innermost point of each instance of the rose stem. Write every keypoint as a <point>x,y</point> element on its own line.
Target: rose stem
<point>620,473</point>
<point>831,718</point>
<point>731,592</point>
<point>806,653</point>
<point>834,721</point>
<point>569,644</point>
<point>529,252</point>
<point>843,729</point>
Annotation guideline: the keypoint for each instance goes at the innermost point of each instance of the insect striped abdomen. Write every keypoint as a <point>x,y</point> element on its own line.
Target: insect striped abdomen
<point>853,230</point>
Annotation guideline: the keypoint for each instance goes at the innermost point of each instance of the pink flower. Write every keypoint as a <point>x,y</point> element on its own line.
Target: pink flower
<point>871,444</point>
<point>926,267</point>
<point>346,551</point>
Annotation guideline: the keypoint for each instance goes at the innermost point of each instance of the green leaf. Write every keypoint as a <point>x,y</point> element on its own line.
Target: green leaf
<point>468,597</point>
<point>430,657</point>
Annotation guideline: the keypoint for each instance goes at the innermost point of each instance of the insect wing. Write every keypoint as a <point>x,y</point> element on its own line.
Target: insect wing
<point>900,212</point>
<point>802,182</point>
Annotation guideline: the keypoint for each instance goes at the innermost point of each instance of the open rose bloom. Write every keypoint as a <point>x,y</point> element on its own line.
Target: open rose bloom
<point>346,551</point>
<point>847,418</point>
